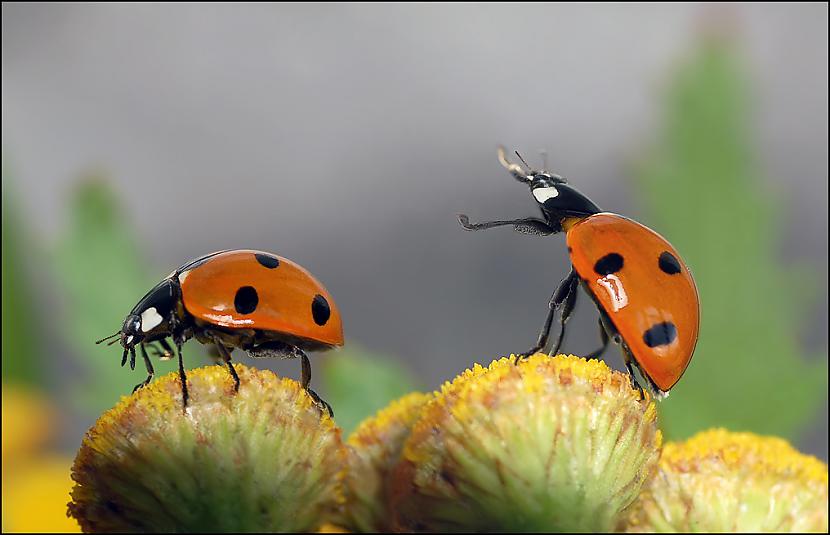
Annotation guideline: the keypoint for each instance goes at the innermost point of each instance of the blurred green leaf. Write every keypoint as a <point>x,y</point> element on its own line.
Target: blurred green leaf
<point>359,384</point>
<point>102,275</point>
<point>704,192</point>
<point>22,350</point>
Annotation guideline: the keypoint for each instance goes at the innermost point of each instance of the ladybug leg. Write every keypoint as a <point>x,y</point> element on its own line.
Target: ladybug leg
<point>165,352</point>
<point>603,336</point>
<point>149,366</point>
<point>306,381</point>
<point>565,314</point>
<point>630,367</point>
<point>182,375</point>
<point>226,356</point>
<point>527,225</point>
<point>559,296</point>
<point>214,354</point>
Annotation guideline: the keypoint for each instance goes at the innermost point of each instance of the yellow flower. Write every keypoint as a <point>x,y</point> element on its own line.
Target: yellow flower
<point>374,450</point>
<point>551,444</point>
<point>263,459</point>
<point>35,495</point>
<point>724,481</point>
<point>36,484</point>
<point>28,423</point>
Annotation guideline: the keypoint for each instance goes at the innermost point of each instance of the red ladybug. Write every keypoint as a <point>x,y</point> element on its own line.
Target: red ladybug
<point>646,296</point>
<point>261,303</point>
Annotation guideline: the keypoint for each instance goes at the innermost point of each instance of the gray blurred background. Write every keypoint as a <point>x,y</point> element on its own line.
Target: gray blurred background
<point>348,137</point>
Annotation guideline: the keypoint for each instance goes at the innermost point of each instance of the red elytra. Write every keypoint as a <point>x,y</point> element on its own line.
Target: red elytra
<point>285,297</point>
<point>651,299</point>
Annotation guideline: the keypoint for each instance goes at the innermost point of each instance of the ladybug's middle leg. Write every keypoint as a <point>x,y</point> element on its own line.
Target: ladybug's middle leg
<point>226,356</point>
<point>182,375</point>
<point>565,313</point>
<point>562,294</point>
<point>604,339</point>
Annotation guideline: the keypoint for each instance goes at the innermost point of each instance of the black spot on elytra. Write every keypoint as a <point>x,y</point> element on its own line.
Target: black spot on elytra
<point>267,260</point>
<point>668,263</point>
<point>608,264</point>
<point>660,334</point>
<point>320,310</point>
<point>246,300</point>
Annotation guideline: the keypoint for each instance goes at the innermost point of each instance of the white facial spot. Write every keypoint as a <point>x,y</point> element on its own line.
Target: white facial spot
<point>129,339</point>
<point>150,319</point>
<point>543,194</point>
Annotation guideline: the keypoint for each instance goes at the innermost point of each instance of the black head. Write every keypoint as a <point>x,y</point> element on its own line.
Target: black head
<point>556,198</point>
<point>131,333</point>
<point>150,319</point>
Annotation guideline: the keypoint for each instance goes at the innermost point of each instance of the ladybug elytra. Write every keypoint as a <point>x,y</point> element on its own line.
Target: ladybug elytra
<point>646,296</point>
<point>261,303</point>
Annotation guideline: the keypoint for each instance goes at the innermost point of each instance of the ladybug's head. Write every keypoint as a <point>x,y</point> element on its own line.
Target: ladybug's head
<point>131,333</point>
<point>556,198</point>
<point>148,320</point>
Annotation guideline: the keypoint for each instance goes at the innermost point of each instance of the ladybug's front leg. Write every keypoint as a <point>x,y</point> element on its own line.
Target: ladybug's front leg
<point>526,225</point>
<point>149,366</point>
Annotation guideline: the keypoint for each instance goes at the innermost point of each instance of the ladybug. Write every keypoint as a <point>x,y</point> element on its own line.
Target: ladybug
<point>646,296</point>
<point>259,302</point>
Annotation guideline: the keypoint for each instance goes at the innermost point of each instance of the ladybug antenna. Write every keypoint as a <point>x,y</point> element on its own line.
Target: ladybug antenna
<point>512,168</point>
<point>108,337</point>
<point>544,154</point>
<point>523,160</point>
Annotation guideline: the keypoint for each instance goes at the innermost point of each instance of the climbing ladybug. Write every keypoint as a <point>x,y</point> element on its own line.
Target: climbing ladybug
<point>261,303</point>
<point>645,294</point>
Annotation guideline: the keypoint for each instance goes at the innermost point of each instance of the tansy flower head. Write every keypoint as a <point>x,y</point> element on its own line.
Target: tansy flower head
<point>262,459</point>
<point>551,444</point>
<point>374,450</point>
<point>723,481</point>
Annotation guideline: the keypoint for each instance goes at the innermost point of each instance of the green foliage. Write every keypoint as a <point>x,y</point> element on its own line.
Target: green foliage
<point>705,194</point>
<point>359,384</point>
<point>101,275</point>
<point>21,355</point>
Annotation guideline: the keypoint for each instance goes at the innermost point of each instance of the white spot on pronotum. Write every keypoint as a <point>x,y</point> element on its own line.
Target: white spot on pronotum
<point>543,194</point>
<point>616,292</point>
<point>150,319</point>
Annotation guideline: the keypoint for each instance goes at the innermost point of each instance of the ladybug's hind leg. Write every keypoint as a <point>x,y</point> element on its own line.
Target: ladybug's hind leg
<point>306,381</point>
<point>280,349</point>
